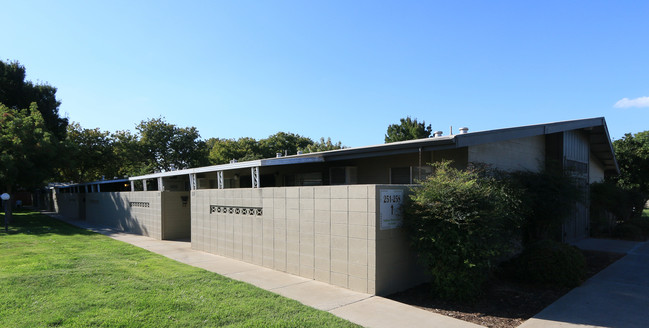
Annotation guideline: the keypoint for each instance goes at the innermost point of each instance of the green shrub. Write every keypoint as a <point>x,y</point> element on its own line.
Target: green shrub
<point>547,197</point>
<point>628,231</point>
<point>643,224</point>
<point>551,262</point>
<point>461,223</point>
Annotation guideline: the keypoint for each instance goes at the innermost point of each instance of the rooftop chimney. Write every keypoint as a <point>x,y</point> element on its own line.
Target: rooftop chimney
<point>464,130</point>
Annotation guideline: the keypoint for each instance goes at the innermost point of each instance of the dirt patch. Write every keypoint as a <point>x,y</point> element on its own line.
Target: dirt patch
<point>505,303</point>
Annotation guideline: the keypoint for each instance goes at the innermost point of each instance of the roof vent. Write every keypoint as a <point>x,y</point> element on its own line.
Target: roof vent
<point>278,155</point>
<point>464,130</point>
<point>299,152</point>
<point>233,161</point>
<point>437,134</point>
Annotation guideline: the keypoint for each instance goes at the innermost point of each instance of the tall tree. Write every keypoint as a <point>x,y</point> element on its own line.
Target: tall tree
<point>407,129</point>
<point>632,153</point>
<point>16,93</point>
<point>89,153</point>
<point>222,151</point>
<point>323,145</point>
<point>284,143</point>
<point>167,147</point>
<point>27,148</point>
<point>128,153</point>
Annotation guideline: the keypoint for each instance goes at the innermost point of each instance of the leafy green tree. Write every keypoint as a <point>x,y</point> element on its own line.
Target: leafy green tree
<point>16,93</point>
<point>89,153</point>
<point>632,153</point>
<point>323,145</point>
<point>128,154</point>
<point>222,151</point>
<point>407,129</point>
<point>167,147</point>
<point>27,148</point>
<point>283,142</point>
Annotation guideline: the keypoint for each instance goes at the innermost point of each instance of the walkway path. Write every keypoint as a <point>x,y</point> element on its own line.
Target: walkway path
<point>363,309</point>
<point>618,296</point>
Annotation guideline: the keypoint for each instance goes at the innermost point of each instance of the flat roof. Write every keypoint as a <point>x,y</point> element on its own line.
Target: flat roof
<point>600,142</point>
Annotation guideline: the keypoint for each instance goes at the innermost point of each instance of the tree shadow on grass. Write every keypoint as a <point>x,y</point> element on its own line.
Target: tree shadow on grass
<point>34,223</point>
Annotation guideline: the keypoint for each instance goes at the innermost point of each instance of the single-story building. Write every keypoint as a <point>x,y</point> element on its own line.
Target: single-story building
<point>334,216</point>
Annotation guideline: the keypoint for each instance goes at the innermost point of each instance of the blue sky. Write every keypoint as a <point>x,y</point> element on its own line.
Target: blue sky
<point>339,69</point>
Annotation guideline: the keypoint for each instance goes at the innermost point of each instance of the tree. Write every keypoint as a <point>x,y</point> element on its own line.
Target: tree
<point>323,145</point>
<point>89,154</point>
<point>27,148</point>
<point>16,93</point>
<point>166,147</point>
<point>128,154</point>
<point>632,153</point>
<point>222,151</point>
<point>408,129</point>
<point>284,143</point>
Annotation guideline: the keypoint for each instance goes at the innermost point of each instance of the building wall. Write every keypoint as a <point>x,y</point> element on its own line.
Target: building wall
<point>511,155</point>
<point>176,215</point>
<point>68,205</point>
<point>326,233</point>
<point>138,212</point>
<point>595,170</point>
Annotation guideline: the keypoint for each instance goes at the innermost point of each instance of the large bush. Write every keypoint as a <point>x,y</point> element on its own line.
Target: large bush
<point>549,262</point>
<point>548,198</point>
<point>461,224</point>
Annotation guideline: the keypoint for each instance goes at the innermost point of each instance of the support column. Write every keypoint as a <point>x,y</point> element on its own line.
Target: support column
<point>132,185</point>
<point>192,181</point>
<point>219,178</point>
<point>160,186</point>
<point>98,188</point>
<point>255,176</point>
<point>144,184</point>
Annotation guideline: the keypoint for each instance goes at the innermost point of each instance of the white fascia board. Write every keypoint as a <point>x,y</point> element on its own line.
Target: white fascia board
<point>225,167</point>
<point>295,159</point>
<point>162,174</point>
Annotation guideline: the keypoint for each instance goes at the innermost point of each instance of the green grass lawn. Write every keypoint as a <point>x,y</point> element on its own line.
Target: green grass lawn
<point>54,274</point>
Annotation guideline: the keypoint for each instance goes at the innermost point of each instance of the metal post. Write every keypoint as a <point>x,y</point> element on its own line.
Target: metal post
<point>192,181</point>
<point>255,176</point>
<point>7,208</point>
<point>132,185</point>
<point>219,178</point>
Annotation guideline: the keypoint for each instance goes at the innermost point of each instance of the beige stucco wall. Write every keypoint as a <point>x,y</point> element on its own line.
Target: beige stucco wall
<point>326,233</point>
<point>511,155</point>
<point>137,212</point>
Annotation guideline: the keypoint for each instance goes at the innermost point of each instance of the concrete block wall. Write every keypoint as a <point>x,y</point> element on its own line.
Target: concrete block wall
<point>325,233</point>
<point>176,215</point>
<point>138,212</point>
<point>68,205</point>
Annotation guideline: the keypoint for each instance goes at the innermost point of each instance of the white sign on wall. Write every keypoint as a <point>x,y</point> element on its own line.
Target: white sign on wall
<point>390,210</point>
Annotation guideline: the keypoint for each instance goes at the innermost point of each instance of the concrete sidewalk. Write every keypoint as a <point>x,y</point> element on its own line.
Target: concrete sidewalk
<point>363,309</point>
<point>618,296</point>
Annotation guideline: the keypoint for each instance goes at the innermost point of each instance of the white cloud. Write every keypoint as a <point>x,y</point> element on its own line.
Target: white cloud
<point>637,102</point>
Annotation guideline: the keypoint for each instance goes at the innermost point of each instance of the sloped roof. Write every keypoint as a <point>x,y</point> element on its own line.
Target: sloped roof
<point>600,144</point>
